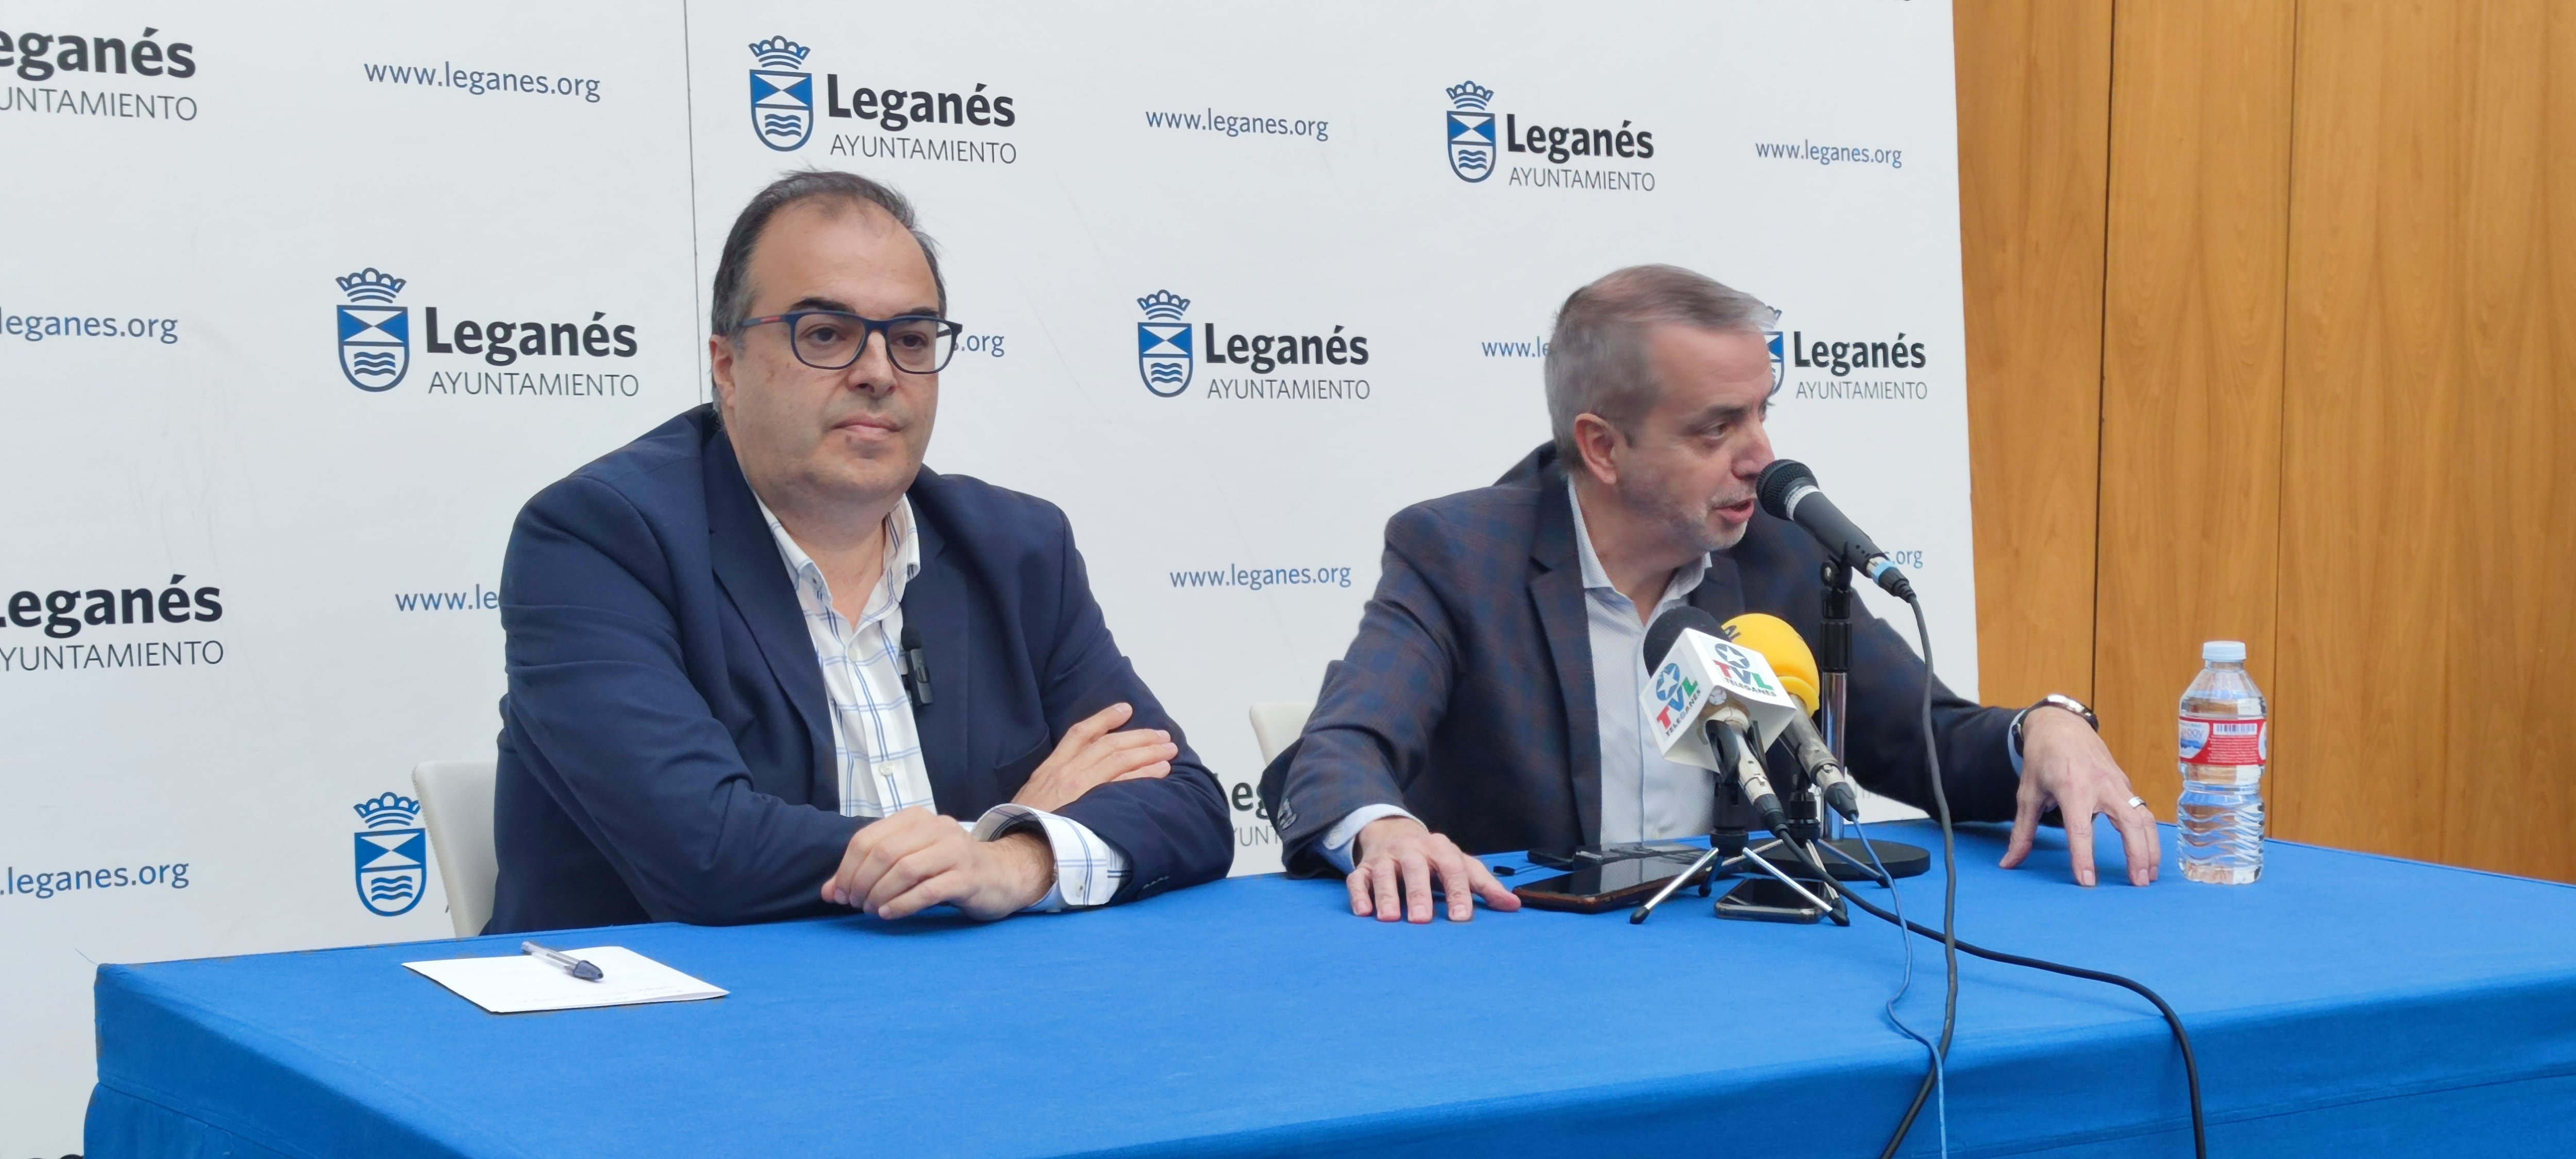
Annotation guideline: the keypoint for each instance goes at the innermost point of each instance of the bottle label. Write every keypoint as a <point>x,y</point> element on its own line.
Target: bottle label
<point>2225,740</point>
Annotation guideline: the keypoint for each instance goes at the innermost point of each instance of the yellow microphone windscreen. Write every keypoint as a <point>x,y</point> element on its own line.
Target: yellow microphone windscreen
<point>1791,660</point>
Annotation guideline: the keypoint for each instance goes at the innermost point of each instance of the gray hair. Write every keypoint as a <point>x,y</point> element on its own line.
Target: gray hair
<point>733,271</point>
<point>1596,359</point>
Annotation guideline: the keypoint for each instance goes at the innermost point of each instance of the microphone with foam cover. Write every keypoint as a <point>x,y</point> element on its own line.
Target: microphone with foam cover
<point>1794,664</point>
<point>1787,651</point>
<point>1712,706</point>
<point>1669,627</point>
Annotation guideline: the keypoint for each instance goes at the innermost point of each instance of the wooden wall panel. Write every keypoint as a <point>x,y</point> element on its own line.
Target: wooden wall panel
<point>2335,410</point>
<point>2034,81</point>
<point>2429,507</point>
<point>2512,776</point>
<point>2192,345</point>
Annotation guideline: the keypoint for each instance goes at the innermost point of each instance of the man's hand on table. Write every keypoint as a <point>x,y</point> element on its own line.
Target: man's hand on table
<point>1394,863</point>
<point>2064,764</point>
<point>916,859</point>
<point>1090,755</point>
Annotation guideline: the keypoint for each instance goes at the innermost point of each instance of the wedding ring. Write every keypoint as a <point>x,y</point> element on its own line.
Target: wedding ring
<point>2137,802</point>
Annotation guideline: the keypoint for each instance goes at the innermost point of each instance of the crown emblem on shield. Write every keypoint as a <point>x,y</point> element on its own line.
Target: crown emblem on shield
<point>1165,357</point>
<point>390,809</point>
<point>779,52</point>
<point>782,94</point>
<point>375,334</point>
<point>392,855</point>
<point>370,285</point>
<point>1471,131</point>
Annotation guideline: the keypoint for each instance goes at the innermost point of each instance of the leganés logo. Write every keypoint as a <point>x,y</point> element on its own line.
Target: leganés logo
<point>1169,349</point>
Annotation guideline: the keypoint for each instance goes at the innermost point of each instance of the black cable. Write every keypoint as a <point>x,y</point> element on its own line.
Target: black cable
<point>2190,1065</point>
<point>1949,897</point>
<point>1905,942</point>
<point>1951,945</point>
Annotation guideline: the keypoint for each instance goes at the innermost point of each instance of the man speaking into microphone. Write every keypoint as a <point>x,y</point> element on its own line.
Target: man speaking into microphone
<point>1492,699</point>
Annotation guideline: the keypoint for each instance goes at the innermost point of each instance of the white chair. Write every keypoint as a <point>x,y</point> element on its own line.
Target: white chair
<point>456,807</point>
<point>1276,723</point>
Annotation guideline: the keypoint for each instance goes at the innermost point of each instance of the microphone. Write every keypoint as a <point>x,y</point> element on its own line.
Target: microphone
<point>1789,491</point>
<point>1715,705</point>
<point>1725,729</point>
<point>1795,666</point>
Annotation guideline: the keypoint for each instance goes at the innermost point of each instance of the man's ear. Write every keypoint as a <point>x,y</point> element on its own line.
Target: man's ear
<point>1598,441</point>
<point>720,353</point>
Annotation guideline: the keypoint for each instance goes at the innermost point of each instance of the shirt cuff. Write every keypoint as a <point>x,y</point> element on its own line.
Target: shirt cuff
<point>2012,739</point>
<point>1087,869</point>
<point>1336,846</point>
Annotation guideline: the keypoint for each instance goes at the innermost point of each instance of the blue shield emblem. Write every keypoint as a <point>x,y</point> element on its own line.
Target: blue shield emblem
<point>1164,356</point>
<point>1471,131</point>
<point>375,345</point>
<point>782,107</point>
<point>1471,145</point>
<point>1779,357</point>
<point>782,94</point>
<point>392,855</point>
<point>1164,353</point>
<point>393,869</point>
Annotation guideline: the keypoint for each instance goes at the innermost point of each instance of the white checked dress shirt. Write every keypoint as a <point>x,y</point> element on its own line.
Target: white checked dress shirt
<point>874,742</point>
<point>1643,796</point>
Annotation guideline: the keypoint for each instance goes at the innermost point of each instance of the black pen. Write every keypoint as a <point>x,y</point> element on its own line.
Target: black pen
<point>571,965</point>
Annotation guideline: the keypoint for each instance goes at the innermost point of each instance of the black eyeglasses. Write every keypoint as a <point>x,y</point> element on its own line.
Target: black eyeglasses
<point>833,339</point>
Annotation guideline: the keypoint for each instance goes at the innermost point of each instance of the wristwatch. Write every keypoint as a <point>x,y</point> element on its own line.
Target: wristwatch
<point>2052,700</point>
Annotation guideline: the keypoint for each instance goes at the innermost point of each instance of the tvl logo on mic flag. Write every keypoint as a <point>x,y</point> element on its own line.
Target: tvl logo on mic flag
<point>375,336</point>
<point>1676,692</point>
<point>1471,131</point>
<point>1164,356</point>
<point>1702,670</point>
<point>782,96</point>
<point>392,854</point>
<point>1739,670</point>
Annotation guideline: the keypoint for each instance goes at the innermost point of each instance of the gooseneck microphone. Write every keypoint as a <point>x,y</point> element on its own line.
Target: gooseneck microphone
<point>1789,491</point>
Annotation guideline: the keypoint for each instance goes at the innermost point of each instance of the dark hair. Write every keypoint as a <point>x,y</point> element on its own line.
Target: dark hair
<point>732,297</point>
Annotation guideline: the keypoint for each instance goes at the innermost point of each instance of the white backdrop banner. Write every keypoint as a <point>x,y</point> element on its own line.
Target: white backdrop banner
<point>303,301</point>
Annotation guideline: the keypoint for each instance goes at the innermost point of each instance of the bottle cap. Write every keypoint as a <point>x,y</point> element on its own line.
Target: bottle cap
<point>2223,652</point>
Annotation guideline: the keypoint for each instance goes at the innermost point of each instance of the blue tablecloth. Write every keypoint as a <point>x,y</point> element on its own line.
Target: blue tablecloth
<point>2346,1001</point>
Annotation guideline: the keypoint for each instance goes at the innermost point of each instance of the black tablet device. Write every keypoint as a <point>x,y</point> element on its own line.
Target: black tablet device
<point>1598,888</point>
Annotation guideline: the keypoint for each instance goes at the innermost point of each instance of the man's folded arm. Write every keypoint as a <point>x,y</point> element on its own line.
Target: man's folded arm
<point>1171,831</point>
<point>635,755</point>
<point>1371,729</point>
<point>1885,735</point>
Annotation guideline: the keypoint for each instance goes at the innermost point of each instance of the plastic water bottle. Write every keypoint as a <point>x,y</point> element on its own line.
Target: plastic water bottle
<point>2226,741</point>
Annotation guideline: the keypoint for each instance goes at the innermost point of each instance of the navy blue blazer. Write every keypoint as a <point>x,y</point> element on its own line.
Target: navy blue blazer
<point>1467,697</point>
<point>664,750</point>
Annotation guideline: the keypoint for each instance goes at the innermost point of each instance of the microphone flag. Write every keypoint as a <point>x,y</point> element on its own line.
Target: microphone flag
<point>1700,674</point>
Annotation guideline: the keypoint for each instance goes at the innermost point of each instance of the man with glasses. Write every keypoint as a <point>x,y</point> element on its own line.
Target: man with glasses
<point>764,664</point>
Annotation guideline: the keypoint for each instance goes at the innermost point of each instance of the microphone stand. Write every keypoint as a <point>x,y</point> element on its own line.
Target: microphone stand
<point>1721,843</point>
<point>1791,835</point>
<point>1730,844</point>
<point>1845,856</point>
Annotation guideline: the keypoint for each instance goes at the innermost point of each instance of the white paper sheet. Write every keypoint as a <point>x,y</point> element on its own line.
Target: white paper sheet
<point>521,983</point>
